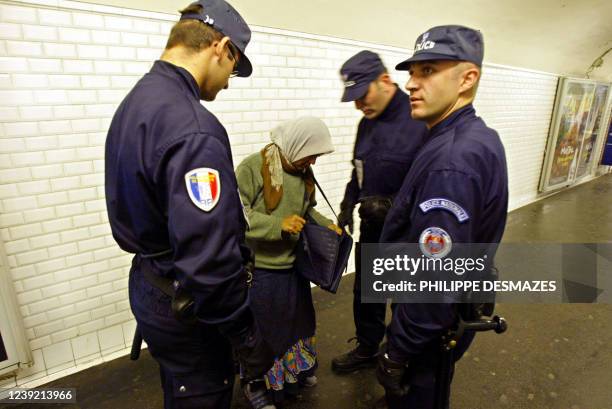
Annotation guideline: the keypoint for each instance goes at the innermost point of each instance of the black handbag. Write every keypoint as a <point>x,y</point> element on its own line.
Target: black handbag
<point>321,255</point>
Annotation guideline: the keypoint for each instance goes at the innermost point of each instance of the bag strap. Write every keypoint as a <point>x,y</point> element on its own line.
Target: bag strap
<point>324,196</point>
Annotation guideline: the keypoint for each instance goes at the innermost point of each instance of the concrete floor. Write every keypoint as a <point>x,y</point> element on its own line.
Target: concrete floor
<point>552,356</point>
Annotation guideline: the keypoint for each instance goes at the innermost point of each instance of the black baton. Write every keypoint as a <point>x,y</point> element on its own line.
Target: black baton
<point>136,345</point>
<point>447,358</point>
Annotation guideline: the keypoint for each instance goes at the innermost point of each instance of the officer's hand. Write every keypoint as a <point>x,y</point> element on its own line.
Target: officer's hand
<point>345,218</point>
<point>335,228</point>
<point>390,375</point>
<point>374,209</point>
<point>293,224</point>
<point>254,354</point>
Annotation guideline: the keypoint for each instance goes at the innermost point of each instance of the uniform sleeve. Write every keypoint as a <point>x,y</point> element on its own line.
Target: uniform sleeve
<point>351,193</point>
<point>450,200</point>
<point>262,226</point>
<point>444,209</point>
<point>195,179</point>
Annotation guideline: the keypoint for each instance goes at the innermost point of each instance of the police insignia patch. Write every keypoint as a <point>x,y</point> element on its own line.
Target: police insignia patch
<point>435,242</point>
<point>445,204</point>
<point>204,187</point>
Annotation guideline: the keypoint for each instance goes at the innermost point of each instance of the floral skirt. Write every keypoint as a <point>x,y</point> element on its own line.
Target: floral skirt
<point>299,360</point>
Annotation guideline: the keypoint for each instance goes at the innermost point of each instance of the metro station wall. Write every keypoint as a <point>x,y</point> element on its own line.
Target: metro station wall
<point>64,68</point>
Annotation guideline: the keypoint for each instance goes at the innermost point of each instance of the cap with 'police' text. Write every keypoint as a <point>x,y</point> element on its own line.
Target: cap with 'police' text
<point>221,16</point>
<point>447,43</point>
<point>358,72</point>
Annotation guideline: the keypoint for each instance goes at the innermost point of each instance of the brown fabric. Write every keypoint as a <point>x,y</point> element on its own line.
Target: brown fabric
<point>272,196</point>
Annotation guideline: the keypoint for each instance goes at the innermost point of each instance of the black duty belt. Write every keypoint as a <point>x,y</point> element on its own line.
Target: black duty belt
<point>166,285</point>
<point>182,304</point>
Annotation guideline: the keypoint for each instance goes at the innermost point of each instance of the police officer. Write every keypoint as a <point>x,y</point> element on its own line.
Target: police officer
<point>455,192</point>
<point>387,140</point>
<point>173,201</point>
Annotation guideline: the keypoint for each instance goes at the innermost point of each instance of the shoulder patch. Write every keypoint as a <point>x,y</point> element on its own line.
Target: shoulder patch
<point>435,242</point>
<point>445,204</point>
<point>203,187</point>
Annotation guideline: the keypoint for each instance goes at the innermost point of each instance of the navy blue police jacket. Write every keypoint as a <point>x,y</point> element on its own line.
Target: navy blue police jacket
<point>170,187</point>
<point>458,185</point>
<point>384,149</point>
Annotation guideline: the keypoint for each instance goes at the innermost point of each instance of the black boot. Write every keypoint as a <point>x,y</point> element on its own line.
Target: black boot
<point>358,358</point>
<point>257,395</point>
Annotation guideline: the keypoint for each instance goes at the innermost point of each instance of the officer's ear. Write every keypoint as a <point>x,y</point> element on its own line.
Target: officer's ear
<point>221,47</point>
<point>470,76</point>
<point>385,78</point>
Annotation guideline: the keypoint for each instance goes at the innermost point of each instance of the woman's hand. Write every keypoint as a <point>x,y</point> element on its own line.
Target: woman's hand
<point>335,228</point>
<point>293,224</point>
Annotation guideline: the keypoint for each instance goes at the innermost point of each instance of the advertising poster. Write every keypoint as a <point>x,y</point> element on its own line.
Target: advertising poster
<point>592,131</point>
<point>575,108</point>
<point>606,158</point>
<point>3,355</point>
<point>573,139</point>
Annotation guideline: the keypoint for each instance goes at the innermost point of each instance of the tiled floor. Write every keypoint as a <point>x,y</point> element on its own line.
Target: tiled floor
<point>552,357</point>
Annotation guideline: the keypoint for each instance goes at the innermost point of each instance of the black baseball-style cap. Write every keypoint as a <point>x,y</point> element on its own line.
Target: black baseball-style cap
<point>358,72</point>
<point>221,16</point>
<point>447,43</point>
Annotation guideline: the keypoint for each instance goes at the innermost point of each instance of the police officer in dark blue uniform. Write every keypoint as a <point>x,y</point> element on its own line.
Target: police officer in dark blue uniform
<point>173,201</point>
<point>387,140</point>
<point>455,192</point>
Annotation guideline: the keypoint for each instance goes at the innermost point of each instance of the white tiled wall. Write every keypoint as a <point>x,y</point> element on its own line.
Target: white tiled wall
<point>519,105</point>
<point>65,66</point>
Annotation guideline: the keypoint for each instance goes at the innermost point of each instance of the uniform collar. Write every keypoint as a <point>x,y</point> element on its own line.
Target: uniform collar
<point>169,69</point>
<point>396,105</point>
<point>453,119</point>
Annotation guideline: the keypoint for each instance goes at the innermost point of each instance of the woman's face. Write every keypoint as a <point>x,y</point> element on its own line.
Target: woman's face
<point>303,163</point>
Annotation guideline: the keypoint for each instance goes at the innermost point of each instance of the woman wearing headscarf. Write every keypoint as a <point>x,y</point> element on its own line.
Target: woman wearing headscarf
<point>278,193</point>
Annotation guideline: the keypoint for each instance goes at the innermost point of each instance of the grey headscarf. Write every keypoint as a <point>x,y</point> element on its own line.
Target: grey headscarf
<point>296,139</point>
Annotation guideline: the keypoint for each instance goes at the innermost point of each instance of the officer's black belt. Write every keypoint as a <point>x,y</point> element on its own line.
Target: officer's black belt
<point>164,284</point>
<point>182,304</point>
<point>155,255</point>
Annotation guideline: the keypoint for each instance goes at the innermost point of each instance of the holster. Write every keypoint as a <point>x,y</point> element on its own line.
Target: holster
<point>470,310</point>
<point>182,304</point>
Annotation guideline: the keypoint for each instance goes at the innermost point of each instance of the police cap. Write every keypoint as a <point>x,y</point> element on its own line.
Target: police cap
<point>447,43</point>
<point>221,16</point>
<point>358,72</point>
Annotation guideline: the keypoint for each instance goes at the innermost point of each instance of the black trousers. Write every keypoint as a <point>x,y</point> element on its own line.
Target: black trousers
<point>424,375</point>
<point>369,318</point>
<point>195,362</point>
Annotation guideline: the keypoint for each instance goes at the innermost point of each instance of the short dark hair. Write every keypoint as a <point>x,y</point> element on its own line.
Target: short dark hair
<point>192,34</point>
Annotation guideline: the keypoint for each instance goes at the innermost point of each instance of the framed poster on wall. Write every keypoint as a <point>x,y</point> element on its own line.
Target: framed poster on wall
<point>8,353</point>
<point>593,134</point>
<point>574,132</point>
<point>14,347</point>
<point>3,354</point>
<point>606,151</point>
